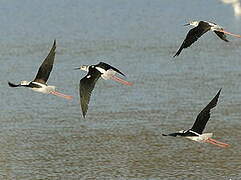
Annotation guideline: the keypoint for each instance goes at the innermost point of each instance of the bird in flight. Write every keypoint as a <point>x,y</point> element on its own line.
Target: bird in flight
<point>200,28</point>
<point>39,84</point>
<point>196,131</point>
<point>94,72</point>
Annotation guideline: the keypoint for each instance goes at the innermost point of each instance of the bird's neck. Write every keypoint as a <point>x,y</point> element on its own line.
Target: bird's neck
<point>86,68</point>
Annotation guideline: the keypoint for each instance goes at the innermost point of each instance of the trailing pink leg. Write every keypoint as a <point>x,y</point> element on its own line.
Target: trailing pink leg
<point>217,143</point>
<point>211,142</point>
<point>236,35</point>
<point>61,95</point>
<point>122,81</point>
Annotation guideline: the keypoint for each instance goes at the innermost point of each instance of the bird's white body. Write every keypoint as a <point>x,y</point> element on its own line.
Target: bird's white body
<point>106,74</point>
<point>201,137</point>
<point>44,88</point>
<point>198,137</point>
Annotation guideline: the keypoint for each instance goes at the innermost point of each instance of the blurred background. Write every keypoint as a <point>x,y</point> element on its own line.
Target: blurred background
<point>46,137</point>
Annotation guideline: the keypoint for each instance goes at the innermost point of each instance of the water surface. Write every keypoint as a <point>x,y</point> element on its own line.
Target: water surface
<point>45,137</point>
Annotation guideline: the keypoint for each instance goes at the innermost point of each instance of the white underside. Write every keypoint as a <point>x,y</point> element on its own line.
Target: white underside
<point>216,27</point>
<point>44,89</point>
<point>201,137</point>
<point>106,74</point>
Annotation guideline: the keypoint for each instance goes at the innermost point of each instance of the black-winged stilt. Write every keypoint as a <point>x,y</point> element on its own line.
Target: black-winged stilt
<point>196,132</point>
<point>39,84</point>
<point>200,28</point>
<point>87,83</point>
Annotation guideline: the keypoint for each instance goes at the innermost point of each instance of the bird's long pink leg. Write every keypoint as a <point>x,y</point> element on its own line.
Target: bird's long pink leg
<point>217,143</point>
<point>226,32</point>
<point>61,95</point>
<point>211,142</point>
<point>122,81</point>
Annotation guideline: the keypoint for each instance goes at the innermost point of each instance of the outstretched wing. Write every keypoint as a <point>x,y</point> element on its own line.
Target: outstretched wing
<point>46,67</point>
<point>204,115</point>
<point>86,86</point>
<point>193,36</point>
<point>221,35</point>
<point>107,67</point>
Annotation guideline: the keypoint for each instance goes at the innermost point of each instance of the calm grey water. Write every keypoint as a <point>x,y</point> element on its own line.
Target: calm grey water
<point>45,137</point>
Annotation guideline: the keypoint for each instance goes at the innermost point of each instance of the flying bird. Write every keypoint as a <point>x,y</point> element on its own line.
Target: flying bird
<point>196,131</point>
<point>94,72</point>
<point>39,84</point>
<point>200,28</point>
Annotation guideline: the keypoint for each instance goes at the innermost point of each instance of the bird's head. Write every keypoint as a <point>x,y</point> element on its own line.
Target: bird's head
<point>24,83</point>
<point>83,67</point>
<point>192,23</point>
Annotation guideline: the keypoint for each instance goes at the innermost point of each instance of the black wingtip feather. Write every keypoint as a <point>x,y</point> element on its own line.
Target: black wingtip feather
<point>218,93</point>
<point>178,52</point>
<point>84,114</point>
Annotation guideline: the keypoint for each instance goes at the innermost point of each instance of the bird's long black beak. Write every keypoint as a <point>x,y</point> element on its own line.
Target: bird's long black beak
<point>77,68</point>
<point>186,24</point>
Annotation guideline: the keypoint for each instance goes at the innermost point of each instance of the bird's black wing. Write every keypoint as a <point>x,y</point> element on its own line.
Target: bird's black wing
<point>193,36</point>
<point>86,86</point>
<point>46,67</point>
<point>204,115</point>
<point>107,66</point>
<point>13,85</point>
<point>221,35</point>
